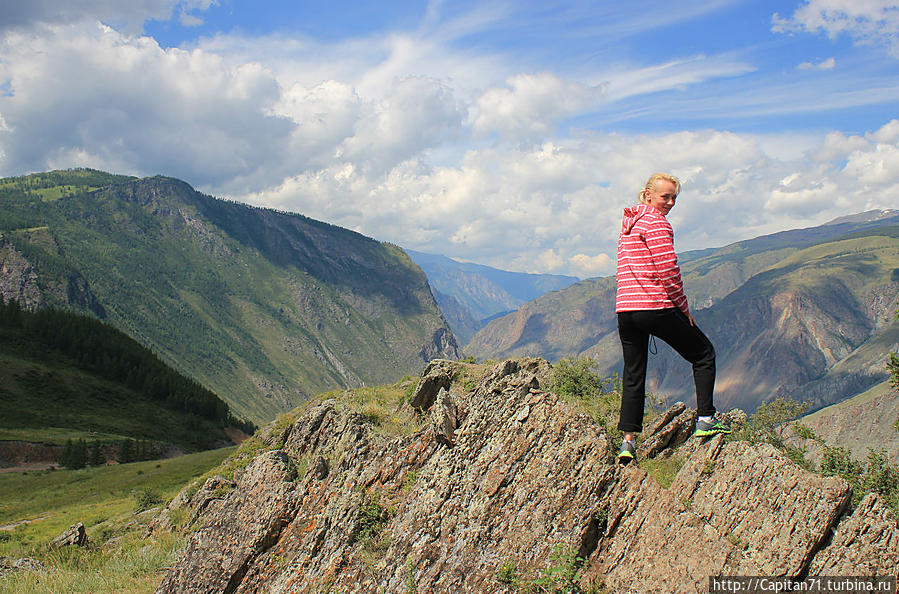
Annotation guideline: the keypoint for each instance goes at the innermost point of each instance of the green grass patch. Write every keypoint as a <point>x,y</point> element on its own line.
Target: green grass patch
<point>89,495</point>
<point>119,557</point>
<point>663,470</point>
<point>55,435</point>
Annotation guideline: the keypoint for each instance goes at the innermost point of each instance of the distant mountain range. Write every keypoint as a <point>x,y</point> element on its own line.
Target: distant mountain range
<point>265,308</point>
<point>471,295</point>
<point>805,313</point>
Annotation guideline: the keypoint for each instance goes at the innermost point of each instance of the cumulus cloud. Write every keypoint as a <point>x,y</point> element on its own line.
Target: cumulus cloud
<point>470,162</point>
<point>865,21</point>
<point>531,105</point>
<point>87,95</point>
<point>557,207</point>
<point>589,266</point>
<point>127,16</point>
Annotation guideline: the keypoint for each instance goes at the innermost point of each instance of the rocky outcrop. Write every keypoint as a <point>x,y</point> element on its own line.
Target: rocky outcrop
<point>74,536</point>
<point>438,375</point>
<point>503,482</point>
<point>9,565</point>
<point>669,430</point>
<point>19,453</point>
<point>223,551</point>
<point>865,544</point>
<point>18,278</point>
<point>32,287</point>
<point>442,345</point>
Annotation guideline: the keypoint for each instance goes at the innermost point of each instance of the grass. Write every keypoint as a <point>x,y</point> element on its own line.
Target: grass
<point>55,435</point>
<point>134,565</point>
<point>95,496</point>
<point>663,470</point>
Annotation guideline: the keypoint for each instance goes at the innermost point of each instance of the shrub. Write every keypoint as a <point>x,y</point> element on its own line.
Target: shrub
<point>575,378</point>
<point>879,475</point>
<point>770,421</point>
<point>145,498</point>
<point>563,572</point>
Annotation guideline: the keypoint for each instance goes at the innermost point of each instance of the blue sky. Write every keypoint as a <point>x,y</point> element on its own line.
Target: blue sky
<point>510,134</point>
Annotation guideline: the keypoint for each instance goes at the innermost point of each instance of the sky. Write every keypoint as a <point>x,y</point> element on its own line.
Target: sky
<point>506,133</point>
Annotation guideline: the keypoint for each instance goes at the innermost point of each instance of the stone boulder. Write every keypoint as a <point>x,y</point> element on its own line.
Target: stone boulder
<point>777,512</point>
<point>74,536</point>
<point>669,430</point>
<point>436,376</point>
<point>866,543</point>
<point>255,512</point>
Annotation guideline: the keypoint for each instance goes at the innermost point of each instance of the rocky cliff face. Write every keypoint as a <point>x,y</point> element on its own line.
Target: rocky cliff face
<point>504,483</point>
<point>20,279</point>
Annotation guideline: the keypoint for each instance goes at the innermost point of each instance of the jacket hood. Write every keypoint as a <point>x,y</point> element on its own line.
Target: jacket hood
<point>632,214</point>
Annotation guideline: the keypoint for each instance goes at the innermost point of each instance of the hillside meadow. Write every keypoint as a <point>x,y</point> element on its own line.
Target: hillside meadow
<point>37,506</point>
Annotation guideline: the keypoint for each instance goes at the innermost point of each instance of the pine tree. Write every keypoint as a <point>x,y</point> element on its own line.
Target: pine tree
<point>96,457</point>
<point>126,452</point>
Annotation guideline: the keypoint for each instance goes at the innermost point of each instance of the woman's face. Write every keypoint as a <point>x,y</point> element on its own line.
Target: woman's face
<point>662,196</point>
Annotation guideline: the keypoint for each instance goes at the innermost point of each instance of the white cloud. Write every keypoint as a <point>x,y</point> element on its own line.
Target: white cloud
<point>588,266</point>
<point>557,207</point>
<point>865,21</point>
<point>532,105</point>
<point>827,64</point>
<point>87,92</point>
<point>127,16</point>
<point>407,139</point>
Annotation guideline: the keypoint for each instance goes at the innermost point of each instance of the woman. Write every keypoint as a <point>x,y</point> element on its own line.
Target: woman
<point>651,301</point>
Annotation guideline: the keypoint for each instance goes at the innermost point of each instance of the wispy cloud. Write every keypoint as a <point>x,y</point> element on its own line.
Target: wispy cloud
<point>827,64</point>
<point>440,138</point>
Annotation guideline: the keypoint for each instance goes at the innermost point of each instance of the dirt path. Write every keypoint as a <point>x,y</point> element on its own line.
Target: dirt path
<point>29,467</point>
<point>12,525</point>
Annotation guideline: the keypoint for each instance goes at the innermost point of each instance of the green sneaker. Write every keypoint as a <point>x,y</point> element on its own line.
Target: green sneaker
<point>706,429</point>
<point>628,452</point>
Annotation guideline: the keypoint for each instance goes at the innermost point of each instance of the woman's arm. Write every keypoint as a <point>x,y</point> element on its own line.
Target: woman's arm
<point>660,241</point>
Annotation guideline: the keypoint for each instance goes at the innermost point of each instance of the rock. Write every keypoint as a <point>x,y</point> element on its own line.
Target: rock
<point>212,491</point>
<point>653,542</point>
<point>444,417</point>
<point>867,543</point>
<point>219,554</point>
<point>9,565</point>
<point>74,536</point>
<point>525,478</point>
<point>735,418</point>
<point>670,429</point>
<point>437,375</point>
<point>754,495</point>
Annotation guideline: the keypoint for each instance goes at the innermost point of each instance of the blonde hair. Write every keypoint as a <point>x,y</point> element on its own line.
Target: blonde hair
<point>651,185</point>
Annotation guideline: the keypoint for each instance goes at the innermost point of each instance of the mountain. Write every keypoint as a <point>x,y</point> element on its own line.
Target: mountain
<point>504,487</point>
<point>867,420</point>
<point>471,293</point>
<point>811,320</point>
<point>265,308</point>
<point>68,374</point>
<point>715,273</point>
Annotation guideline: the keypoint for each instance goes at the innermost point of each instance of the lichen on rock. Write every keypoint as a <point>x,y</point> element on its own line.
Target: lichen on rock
<point>505,475</point>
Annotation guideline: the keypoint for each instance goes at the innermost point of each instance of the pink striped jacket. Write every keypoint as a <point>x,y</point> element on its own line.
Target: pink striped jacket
<point>648,275</point>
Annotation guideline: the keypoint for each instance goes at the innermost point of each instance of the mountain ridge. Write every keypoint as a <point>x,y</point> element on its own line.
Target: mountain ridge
<point>265,308</point>
<point>472,294</point>
<point>826,300</point>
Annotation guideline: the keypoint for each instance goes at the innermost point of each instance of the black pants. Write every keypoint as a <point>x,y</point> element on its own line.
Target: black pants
<point>672,326</point>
